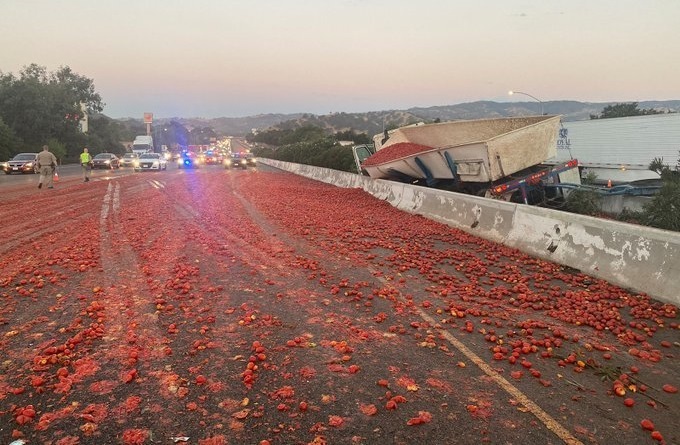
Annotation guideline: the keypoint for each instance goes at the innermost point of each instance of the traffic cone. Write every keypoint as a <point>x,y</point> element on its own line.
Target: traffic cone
<point>56,177</point>
<point>609,184</point>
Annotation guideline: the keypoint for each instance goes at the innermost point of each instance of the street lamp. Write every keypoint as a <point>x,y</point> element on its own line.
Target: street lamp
<point>511,92</point>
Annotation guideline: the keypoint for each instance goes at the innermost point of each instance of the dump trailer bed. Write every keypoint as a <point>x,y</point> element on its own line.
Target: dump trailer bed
<point>480,151</point>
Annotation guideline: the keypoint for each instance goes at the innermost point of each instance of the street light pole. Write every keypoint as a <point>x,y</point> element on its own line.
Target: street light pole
<point>511,92</point>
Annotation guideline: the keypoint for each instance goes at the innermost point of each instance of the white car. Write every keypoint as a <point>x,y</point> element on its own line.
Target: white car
<point>151,161</point>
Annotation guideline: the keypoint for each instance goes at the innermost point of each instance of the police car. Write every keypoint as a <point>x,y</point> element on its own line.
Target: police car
<point>188,160</point>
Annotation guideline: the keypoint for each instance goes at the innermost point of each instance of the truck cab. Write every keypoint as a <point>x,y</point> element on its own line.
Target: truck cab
<point>360,153</point>
<point>142,144</point>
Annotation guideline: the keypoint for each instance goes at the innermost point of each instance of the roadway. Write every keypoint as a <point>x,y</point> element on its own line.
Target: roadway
<point>213,306</point>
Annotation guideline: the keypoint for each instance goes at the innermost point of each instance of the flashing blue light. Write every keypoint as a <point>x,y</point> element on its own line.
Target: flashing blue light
<point>187,162</point>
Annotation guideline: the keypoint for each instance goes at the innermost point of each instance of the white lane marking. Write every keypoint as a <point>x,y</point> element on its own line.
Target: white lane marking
<point>105,205</point>
<point>545,418</point>
<point>116,198</point>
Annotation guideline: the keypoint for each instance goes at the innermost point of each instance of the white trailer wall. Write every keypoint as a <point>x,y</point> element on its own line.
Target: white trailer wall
<point>620,149</point>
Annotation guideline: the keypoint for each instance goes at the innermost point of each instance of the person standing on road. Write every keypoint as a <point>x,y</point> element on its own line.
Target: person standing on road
<point>47,163</point>
<point>86,163</point>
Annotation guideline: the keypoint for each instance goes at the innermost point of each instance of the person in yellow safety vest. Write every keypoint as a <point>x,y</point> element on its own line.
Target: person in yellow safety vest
<point>86,163</point>
<point>47,163</point>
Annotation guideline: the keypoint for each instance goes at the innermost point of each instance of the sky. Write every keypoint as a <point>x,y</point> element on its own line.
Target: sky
<point>237,58</point>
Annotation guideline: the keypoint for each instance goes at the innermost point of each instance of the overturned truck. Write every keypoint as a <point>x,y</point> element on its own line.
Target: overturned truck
<point>502,158</point>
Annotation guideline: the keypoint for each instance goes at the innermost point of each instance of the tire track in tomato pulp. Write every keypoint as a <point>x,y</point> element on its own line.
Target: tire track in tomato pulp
<point>334,363</point>
<point>251,318</point>
<point>143,340</point>
<point>133,332</point>
<point>48,355</point>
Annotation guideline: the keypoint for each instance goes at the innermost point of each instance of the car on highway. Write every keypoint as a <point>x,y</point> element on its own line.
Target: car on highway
<point>106,160</point>
<point>188,160</point>
<point>151,161</point>
<point>240,160</point>
<point>213,157</point>
<point>22,163</point>
<point>129,160</point>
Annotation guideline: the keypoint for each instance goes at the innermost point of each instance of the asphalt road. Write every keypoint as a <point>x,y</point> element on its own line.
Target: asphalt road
<point>226,307</point>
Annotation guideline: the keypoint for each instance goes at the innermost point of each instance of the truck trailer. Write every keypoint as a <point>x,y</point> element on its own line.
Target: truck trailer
<point>619,150</point>
<point>501,158</point>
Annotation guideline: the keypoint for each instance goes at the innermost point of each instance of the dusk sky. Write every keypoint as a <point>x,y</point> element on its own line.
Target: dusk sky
<point>234,58</point>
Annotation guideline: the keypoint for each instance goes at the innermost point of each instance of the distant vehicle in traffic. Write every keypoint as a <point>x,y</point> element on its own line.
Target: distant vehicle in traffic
<point>188,160</point>
<point>106,160</point>
<point>213,157</point>
<point>151,161</point>
<point>240,160</point>
<point>22,163</point>
<point>142,144</point>
<point>129,160</point>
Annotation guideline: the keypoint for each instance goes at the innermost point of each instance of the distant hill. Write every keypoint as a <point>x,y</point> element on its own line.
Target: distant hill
<point>235,126</point>
<point>373,122</point>
<point>569,109</point>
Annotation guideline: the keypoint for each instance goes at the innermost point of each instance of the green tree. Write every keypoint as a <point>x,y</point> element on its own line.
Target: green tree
<point>624,110</point>
<point>287,136</point>
<point>585,202</point>
<point>176,135</point>
<point>201,135</point>
<point>105,135</point>
<point>351,135</point>
<point>132,128</point>
<point>307,133</point>
<point>308,145</point>
<point>664,210</point>
<point>38,105</point>
<point>58,149</point>
<point>590,178</point>
<point>9,143</point>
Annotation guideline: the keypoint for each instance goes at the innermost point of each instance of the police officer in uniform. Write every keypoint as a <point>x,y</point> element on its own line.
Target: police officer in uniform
<point>86,163</point>
<point>47,163</point>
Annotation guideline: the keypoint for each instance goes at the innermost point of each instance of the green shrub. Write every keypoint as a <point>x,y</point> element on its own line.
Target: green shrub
<point>585,202</point>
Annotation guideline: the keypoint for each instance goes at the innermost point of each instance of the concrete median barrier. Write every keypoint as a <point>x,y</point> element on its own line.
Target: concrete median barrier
<point>635,257</point>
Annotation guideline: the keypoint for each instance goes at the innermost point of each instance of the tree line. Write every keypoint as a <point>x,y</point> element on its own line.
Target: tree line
<point>310,145</point>
<point>624,110</point>
<point>39,107</point>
